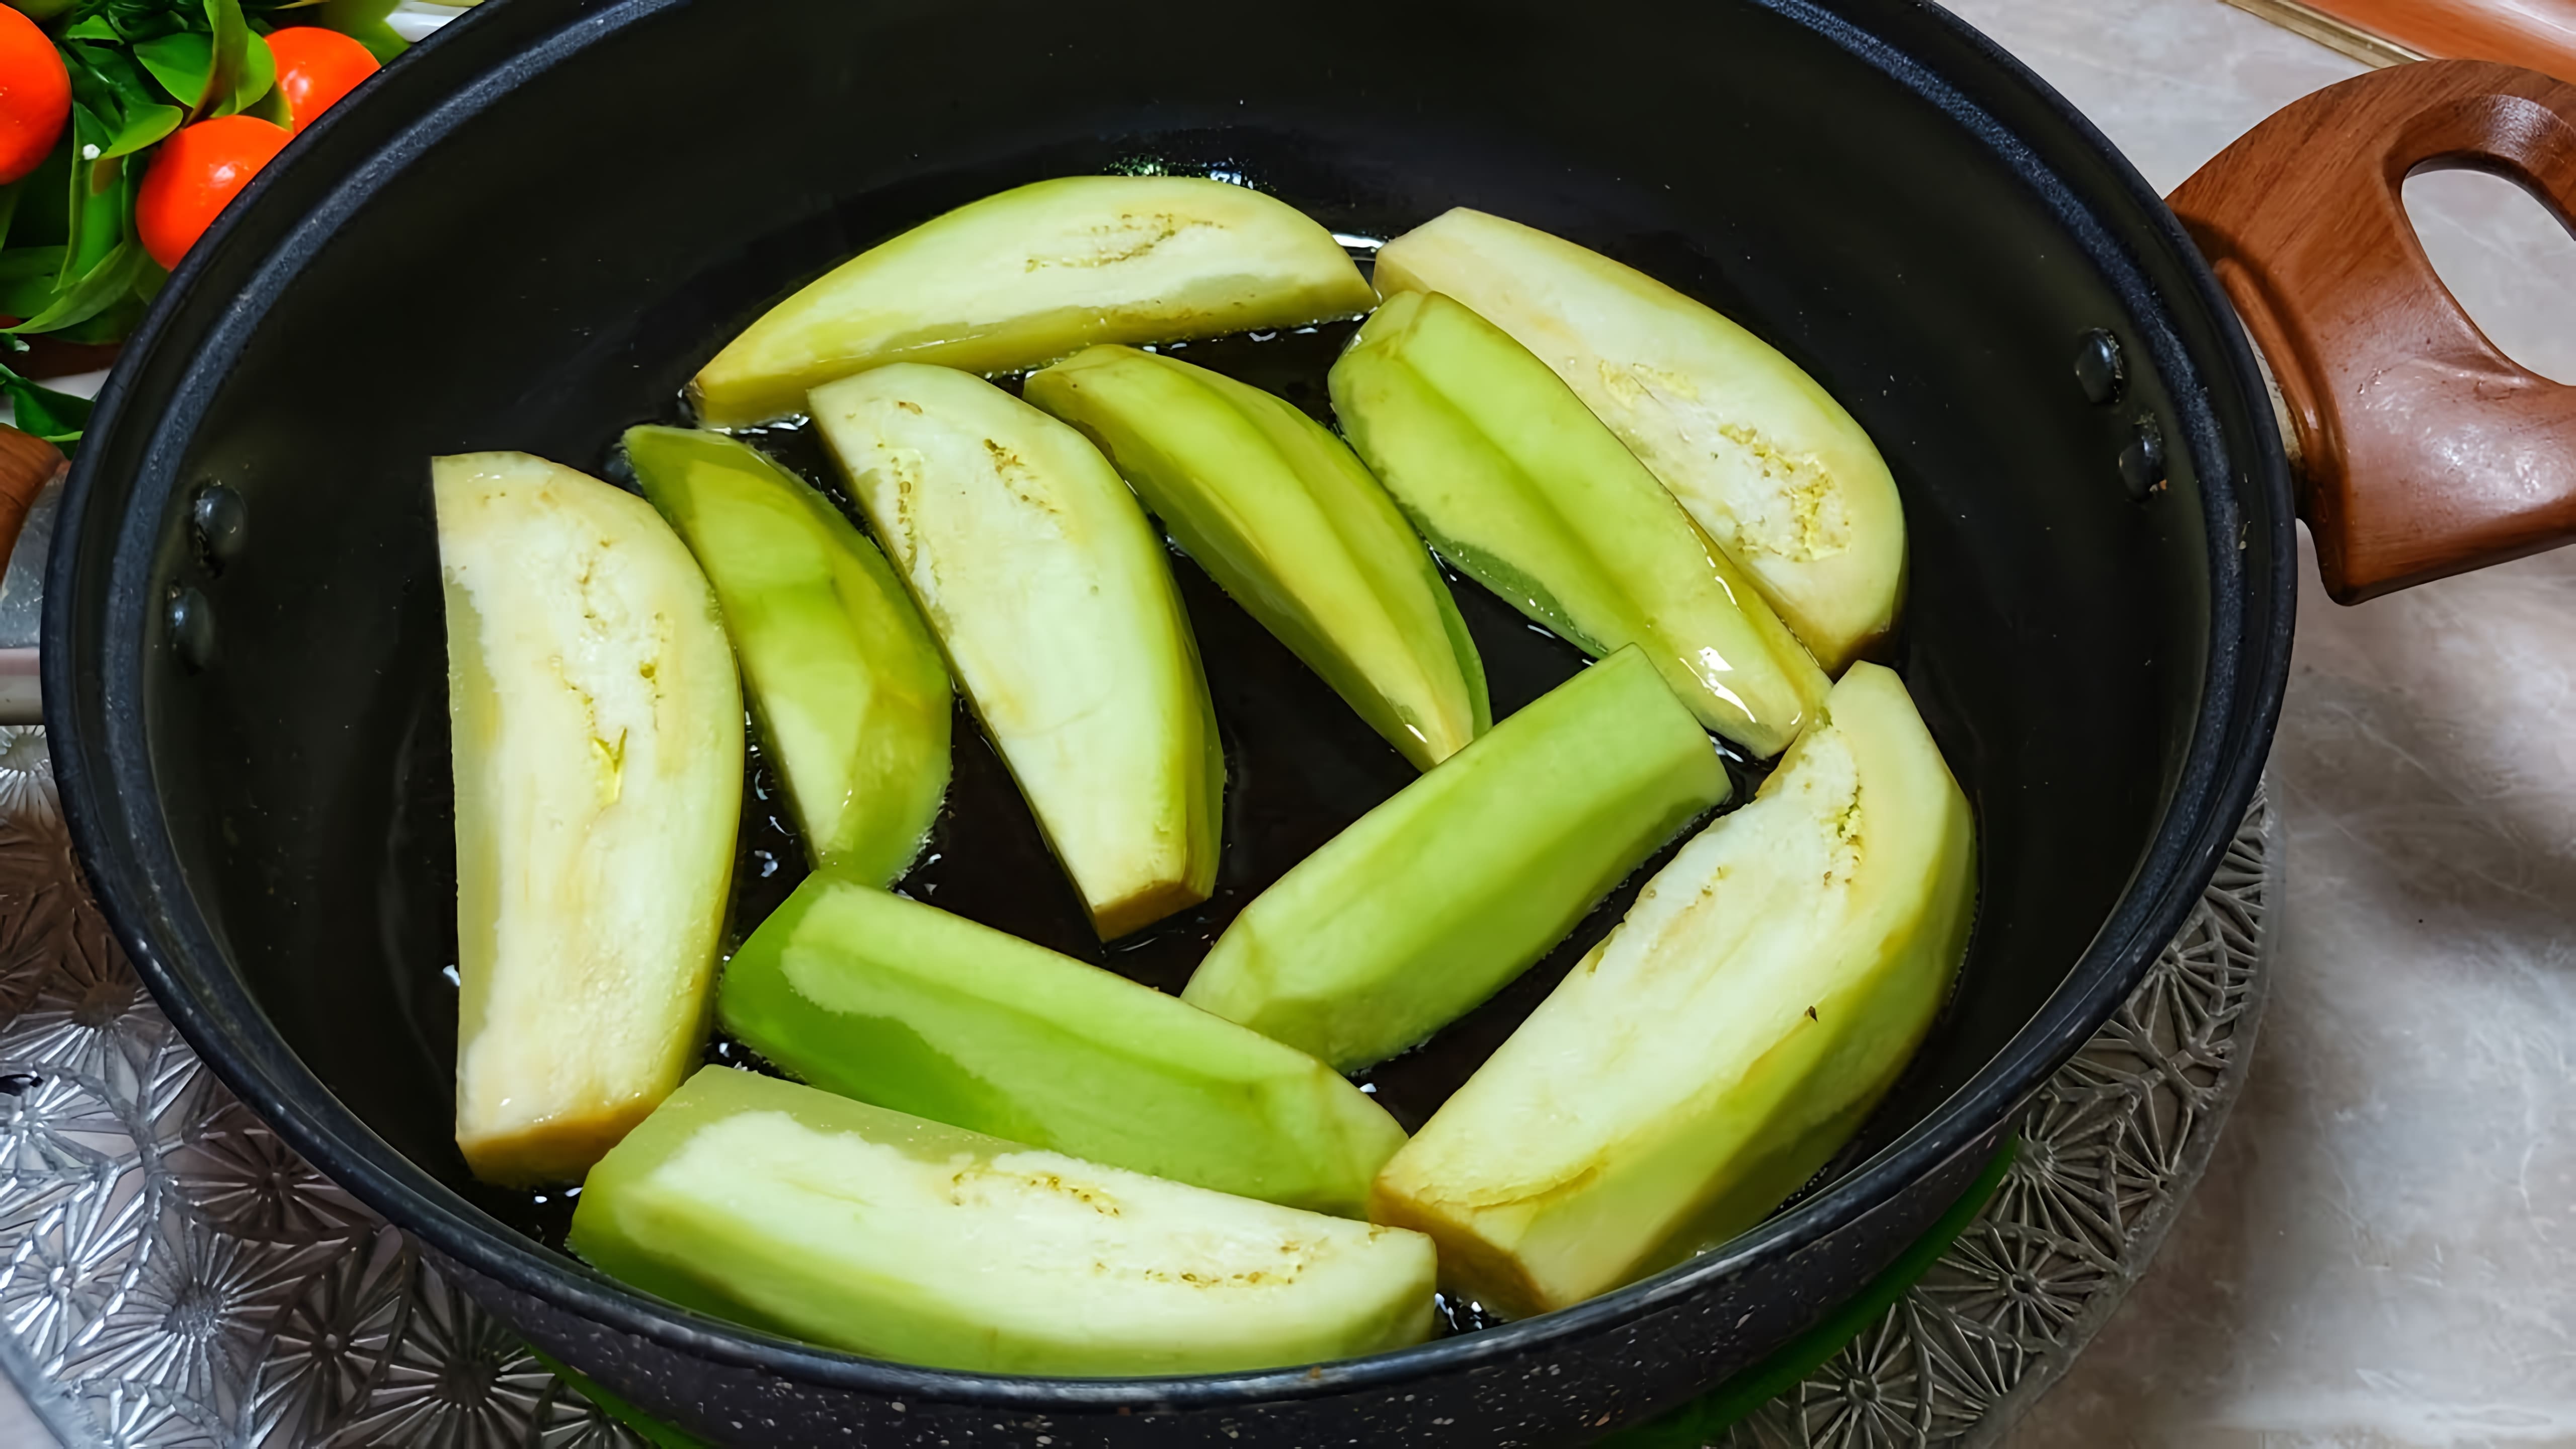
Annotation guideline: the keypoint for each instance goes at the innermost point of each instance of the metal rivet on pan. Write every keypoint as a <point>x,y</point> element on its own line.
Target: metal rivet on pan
<point>192,628</point>
<point>2142,460</point>
<point>2097,366</point>
<point>220,519</point>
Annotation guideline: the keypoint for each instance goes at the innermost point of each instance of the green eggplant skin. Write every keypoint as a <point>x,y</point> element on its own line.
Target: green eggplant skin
<point>903,1005</point>
<point>1766,461</point>
<point>1436,899</point>
<point>1052,596</point>
<point>1024,277</point>
<point>1725,1040</point>
<point>1294,529</point>
<point>795,1211</point>
<point>1514,480</point>
<point>845,684</point>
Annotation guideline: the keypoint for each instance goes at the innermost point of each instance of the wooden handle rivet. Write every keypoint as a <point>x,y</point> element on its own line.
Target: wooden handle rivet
<point>2142,459</point>
<point>191,628</point>
<point>219,519</point>
<point>2097,366</point>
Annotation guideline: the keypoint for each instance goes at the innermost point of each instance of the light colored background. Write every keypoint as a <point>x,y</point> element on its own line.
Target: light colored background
<point>2384,1250</point>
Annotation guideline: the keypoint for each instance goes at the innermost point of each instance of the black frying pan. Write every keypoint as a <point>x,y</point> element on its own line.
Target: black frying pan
<point>531,231</point>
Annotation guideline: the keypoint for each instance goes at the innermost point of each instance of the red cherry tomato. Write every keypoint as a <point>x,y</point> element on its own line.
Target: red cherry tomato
<point>35,95</point>
<point>316,67</point>
<point>194,173</point>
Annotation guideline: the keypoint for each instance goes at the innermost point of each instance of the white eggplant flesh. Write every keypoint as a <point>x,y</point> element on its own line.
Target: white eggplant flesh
<point>1054,600</point>
<point>1718,1047</point>
<point>598,752</point>
<point>1768,463</point>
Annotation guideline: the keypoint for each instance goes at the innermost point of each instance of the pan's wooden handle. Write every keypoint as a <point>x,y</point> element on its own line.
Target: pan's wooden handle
<point>27,464</point>
<point>2424,451</point>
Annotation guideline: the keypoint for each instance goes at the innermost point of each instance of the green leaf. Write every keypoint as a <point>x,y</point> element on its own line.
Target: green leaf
<point>364,22</point>
<point>107,79</point>
<point>56,417</point>
<point>27,279</point>
<point>97,290</point>
<point>182,63</point>
<point>256,79</point>
<point>114,324</point>
<point>231,56</point>
<point>95,27</point>
<point>144,126</point>
<point>42,219</point>
<point>9,195</point>
<point>102,205</point>
<point>273,109</point>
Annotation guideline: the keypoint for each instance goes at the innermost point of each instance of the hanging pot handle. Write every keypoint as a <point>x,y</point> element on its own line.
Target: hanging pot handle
<point>2421,450</point>
<point>27,464</point>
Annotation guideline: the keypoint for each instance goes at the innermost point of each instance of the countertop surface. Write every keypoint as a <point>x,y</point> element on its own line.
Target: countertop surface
<point>2384,1250</point>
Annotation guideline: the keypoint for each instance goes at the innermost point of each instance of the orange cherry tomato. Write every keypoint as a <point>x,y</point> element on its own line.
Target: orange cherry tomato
<point>316,67</point>
<point>35,95</point>
<point>194,173</point>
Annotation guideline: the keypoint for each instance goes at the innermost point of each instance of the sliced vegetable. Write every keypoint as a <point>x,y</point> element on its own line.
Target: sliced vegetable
<point>35,95</point>
<point>1518,484</point>
<point>1766,461</point>
<point>195,175</point>
<point>315,68</point>
<point>1036,273</point>
<point>1295,530</point>
<point>804,1213</point>
<point>901,1004</point>
<point>846,685</point>
<point>598,746</point>
<point>1717,1048</point>
<point>1047,587</point>
<point>1439,897</point>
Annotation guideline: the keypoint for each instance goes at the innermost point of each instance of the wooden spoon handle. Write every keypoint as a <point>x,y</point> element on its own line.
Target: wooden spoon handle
<point>2424,450</point>
<point>27,464</point>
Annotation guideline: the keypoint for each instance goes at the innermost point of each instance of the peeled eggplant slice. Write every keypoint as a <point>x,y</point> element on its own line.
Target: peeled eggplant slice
<point>598,747</point>
<point>1767,462</point>
<point>1279,512</point>
<point>1714,1051</point>
<point>903,1005</point>
<point>849,691</point>
<point>847,1225</point>
<point>1436,899</point>
<point>1513,479</point>
<point>1054,600</point>
<point>1036,273</point>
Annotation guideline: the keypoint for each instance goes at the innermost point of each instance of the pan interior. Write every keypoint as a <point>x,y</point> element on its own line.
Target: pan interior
<point>554,266</point>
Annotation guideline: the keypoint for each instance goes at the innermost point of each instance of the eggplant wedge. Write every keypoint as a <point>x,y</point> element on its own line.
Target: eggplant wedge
<point>903,1005</point>
<point>1725,1040</point>
<point>1052,595</point>
<point>1436,899</point>
<point>802,1213</point>
<point>848,690</point>
<point>1767,462</point>
<point>1030,275</point>
<point>1514,480</point>
<point>598,750</point>
<point>1293,528</point>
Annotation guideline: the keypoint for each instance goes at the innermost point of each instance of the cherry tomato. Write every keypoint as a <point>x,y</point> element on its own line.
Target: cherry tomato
<point>194,173</point>
<point>35,95</point>
<point>315,68</point>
